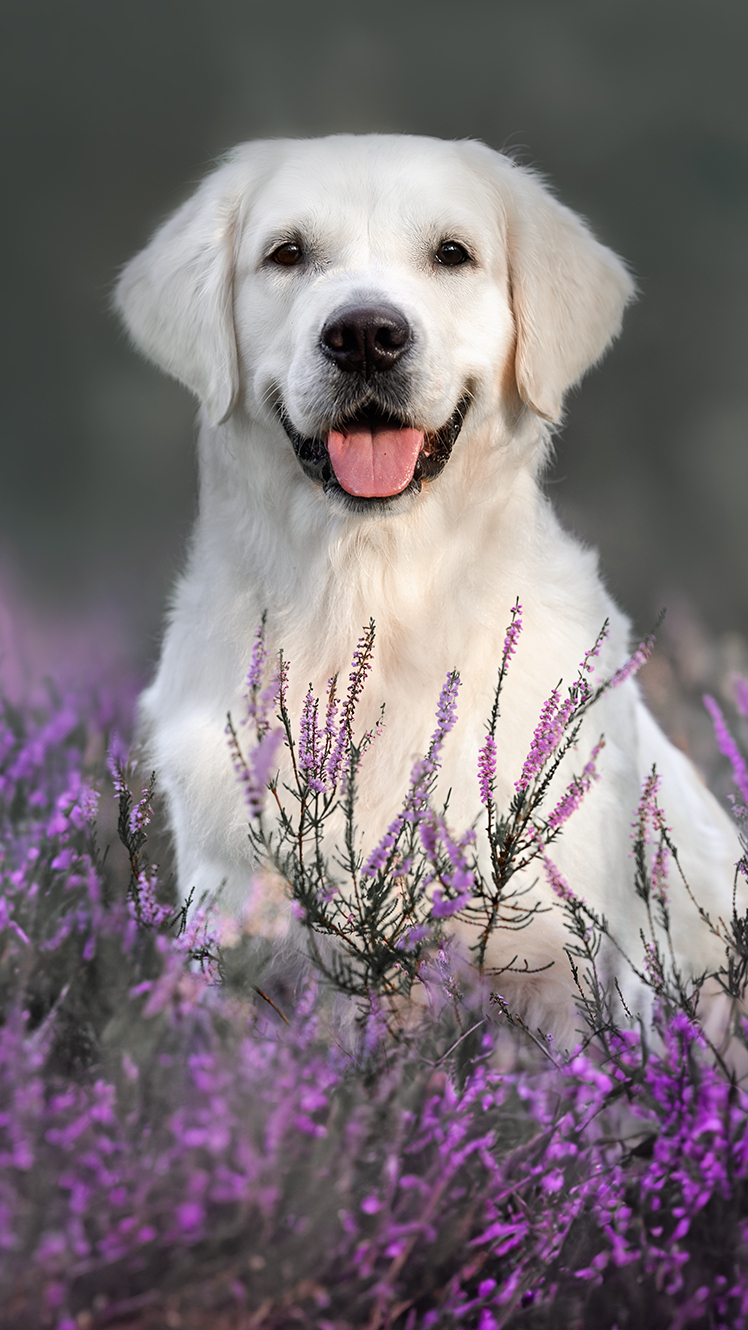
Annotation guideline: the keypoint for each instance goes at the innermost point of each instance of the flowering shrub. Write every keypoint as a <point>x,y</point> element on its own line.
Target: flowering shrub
<point>386,910</point>
<point>172,1153</point>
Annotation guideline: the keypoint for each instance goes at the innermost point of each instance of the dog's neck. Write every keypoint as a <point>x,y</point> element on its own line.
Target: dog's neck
<point>322,573</point>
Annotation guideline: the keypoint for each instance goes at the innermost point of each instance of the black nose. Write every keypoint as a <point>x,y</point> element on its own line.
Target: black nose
<point>366,338</point>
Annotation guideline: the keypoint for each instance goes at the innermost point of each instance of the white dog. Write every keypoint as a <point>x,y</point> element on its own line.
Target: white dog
<point>381,331</point>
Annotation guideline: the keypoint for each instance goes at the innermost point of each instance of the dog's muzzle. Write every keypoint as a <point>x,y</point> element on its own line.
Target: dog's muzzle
<point>370,453</point>
<point>435,451</point>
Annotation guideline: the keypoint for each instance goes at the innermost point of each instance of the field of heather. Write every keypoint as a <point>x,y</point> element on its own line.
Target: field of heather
<point>178,1150</point>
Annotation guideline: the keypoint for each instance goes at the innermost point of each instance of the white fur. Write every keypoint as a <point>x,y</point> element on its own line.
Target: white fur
<point>440,571</point>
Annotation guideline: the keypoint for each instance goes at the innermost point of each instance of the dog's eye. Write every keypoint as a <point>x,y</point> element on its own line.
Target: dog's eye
<point>287,255</point>
<point>450,253</point>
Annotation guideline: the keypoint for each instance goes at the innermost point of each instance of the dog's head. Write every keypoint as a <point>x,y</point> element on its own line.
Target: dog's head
<point>367,295</point>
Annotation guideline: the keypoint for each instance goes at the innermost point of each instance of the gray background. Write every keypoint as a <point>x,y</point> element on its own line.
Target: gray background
<point>637,110</point>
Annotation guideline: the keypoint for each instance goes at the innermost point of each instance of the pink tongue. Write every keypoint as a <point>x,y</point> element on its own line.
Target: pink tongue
<point>374,463</point>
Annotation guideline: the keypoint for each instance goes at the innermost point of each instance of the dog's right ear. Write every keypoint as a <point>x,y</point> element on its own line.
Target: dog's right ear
<point>568,292</point>
<point>177,296</point>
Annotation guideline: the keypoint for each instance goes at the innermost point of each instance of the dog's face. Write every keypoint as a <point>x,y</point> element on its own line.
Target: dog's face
<point>372,309</point>
<point>367,295</point>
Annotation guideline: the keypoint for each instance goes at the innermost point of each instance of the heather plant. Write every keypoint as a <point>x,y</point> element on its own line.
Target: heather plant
<point>387,910</point>
<point>174,1154</point>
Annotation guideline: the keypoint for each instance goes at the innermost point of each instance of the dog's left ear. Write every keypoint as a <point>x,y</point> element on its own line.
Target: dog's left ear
<point>568,291</point>
<point>176,297</point>
<point>568,294</point>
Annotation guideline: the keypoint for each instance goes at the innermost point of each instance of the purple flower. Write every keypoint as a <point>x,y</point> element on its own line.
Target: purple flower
<point>487,769</point>
<point>545,740</point>
<point>379,859</point>
<point>256,671</point>
<point>260,701</point>
<point>360,669</point>
<point>446,712</point>
<point>553,874</point>
<point>650,823</point>
<point>254,772</point>
<point>728,746</point>
<point>311,745</point>
<point>660,861</point>
<point>444,907</point>
<point>190,1216</point>
<point>556,719</point>
<point>585,666</point>
<point>417,798</point>
<point>512,635</point>
<point>648,808</point>
<point>324,753</point>
<point>451,867</point>
<point>575,792</point>
<point>634,662</point>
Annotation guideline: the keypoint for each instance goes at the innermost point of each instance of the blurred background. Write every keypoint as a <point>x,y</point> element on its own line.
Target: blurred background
<point>636,109</point>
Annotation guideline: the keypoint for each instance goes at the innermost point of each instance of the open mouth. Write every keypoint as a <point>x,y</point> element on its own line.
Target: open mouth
<point>374,457</point>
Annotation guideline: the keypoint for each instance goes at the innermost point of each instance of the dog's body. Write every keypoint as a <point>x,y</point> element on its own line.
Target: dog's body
<point>341,306</point>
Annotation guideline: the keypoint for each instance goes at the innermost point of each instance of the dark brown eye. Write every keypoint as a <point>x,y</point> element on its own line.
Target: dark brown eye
<point>287,255</point>
<point>450,253</point>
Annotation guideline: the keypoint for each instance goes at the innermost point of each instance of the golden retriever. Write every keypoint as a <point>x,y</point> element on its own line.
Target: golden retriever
<point>381,331</point>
